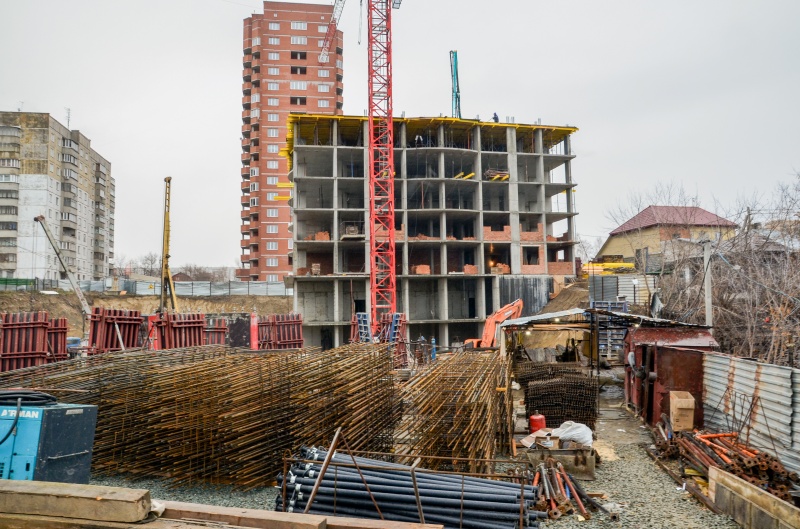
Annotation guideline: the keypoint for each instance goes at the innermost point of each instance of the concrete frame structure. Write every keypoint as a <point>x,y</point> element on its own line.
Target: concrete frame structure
<point>480,208</point>
<point>47,169</point>
<point>281,74</point>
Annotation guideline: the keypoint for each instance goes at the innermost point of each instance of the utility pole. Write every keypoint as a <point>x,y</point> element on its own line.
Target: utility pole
<point>707,282</point>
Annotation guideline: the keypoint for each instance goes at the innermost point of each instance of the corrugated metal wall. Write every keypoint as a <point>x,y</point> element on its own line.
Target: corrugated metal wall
<point>635,287</point>
<point>534,292</point>
<point>729,385</point>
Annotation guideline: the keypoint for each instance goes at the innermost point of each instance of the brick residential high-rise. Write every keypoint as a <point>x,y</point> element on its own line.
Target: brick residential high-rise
<point>282,73</point>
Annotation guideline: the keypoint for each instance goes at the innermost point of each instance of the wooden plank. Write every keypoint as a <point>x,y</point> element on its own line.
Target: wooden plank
<point>262,519</point>
<point>340,522</point>
<point>28,521</point>
<point>68,500</point>
<point>787,514</point>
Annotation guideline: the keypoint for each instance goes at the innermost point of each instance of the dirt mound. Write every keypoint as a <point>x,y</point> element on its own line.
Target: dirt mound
<point>66,305</point>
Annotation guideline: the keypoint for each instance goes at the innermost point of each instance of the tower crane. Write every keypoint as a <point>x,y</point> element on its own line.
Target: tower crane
<point>456,86</point>
<point>167,285</point>
<point>383,277</point>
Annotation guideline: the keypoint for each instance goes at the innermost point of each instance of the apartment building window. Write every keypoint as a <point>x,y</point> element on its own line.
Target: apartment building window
<point>323,87</point>
<point>272,101</point>
<point>254,201</point>
<point>274,26</point>
<point>272,86</point>
<point>272,133</point>
<point>299,40</point>
<point>272,117</point>
<point>291,244</point>
<point>255,113</point>
<point>272,212</point>
<point>8,210</point>
<point>11,258</point>
<point>272,180</point>
<point>299,55</point>
<point>9,178</point>
<point>256,41</point>
<point>322,29</point>
<point>324,73</point>
<point>320,43</point>
<point>272,197</point>
<point>270,261</point>
<point>297,100</point>
<point>272,228</point>
<point>273,148</point>
<point>299,70</point>
<point>298,85</point>
<point>254,187</point>
<point>299,25</point>
<point>254,171</point>
<point>272,164</point>
<point>8,241</point>
<point>274,40</point>
<point>12,162</point>
<point>9,194</point>
<point>272,245</point>
<point>339,105</point>
<point>323,103</point>
<point>272,278</point>
<point>273,56</point>
<point>255,98</point>
<point>8,226</point>
<point>339,63</point>
<point>273,71</point>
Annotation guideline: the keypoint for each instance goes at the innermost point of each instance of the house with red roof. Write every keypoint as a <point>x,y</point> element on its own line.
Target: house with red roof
<point>645,237</point>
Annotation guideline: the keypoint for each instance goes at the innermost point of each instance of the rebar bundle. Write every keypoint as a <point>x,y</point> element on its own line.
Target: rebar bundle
<point>560,392</point>
<point>219,415</point>
<point>454,409</point>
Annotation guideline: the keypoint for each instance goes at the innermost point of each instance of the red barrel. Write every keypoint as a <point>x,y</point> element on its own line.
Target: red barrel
<point>537,422</point>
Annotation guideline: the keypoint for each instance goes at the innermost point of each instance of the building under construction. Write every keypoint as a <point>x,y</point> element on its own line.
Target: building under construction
<point>484,214</point>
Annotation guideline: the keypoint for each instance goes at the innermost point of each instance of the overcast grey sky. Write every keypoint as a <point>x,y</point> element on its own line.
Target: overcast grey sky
<point>703,93</point>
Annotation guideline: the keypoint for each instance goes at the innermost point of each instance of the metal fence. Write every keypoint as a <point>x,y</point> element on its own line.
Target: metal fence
<point>761,399</point>
<point>152,288</point>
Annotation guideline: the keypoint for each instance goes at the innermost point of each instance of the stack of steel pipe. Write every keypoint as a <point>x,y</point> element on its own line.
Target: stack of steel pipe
<point>724,450</point>
<point>454,500</point>
<point>454,409</point>
<point>214,414</point>
<point>560,392</point>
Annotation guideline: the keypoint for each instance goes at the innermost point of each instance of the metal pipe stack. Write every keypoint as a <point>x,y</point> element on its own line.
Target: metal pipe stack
<point>454,500</point>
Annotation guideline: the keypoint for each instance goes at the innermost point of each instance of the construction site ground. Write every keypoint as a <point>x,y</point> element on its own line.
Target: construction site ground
<point>645,496</point>
<point>66,305</point>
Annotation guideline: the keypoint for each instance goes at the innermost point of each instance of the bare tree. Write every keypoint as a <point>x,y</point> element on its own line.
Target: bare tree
<point>150,264</point>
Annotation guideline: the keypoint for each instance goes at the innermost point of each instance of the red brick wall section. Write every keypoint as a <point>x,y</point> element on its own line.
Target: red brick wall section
<point>533,269</point>
<point>470,269</point>
<point>325,261</point>
<point>532,236</point>
<point>560,268</point>
<point>489,235</point>
<point>422,257</point>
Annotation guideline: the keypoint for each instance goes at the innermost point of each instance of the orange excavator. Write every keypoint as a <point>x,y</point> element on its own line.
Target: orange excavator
<point>509,312</point>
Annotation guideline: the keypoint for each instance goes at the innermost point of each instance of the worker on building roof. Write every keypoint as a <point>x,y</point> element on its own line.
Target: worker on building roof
<point>495,118</point>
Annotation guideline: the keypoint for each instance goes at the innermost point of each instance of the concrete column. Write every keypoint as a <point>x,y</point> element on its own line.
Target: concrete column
<point>513,202</point>
<point>540,179</point>
<point>335,133</point>
<point>406,294</point>
<point>440,136</point>
<point>337,298</point>
<point>496,292</point>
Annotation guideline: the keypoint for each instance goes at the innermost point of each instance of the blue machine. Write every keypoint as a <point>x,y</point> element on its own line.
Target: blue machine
<point>47,443</point>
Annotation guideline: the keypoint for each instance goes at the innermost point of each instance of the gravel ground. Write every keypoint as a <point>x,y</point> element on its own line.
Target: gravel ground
<point>262,498</point>
<point>647,496</point>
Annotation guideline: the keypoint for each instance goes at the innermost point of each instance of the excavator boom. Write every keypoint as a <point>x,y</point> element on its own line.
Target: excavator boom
<point>509,312</point>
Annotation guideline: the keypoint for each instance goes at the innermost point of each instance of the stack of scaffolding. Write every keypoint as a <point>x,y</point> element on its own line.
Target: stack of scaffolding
<point>559,391</point>
<point>454,409</point>
<point>219,415</point>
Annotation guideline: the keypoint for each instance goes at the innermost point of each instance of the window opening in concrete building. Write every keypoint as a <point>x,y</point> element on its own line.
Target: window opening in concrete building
<point>530,255</point>
<point>299,70</point>
<point>297,100</point>
<point>299,55</point>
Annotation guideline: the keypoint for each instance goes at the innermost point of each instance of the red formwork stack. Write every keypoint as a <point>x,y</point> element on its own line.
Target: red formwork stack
<point>216,331</point>
<point>180,330</point>
<point>57,340</point>
<point>24,340</point>
<point>280,331</point>
<point>103,329</point>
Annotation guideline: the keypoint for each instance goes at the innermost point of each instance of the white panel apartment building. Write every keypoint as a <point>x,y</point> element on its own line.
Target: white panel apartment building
<point>47,169</point>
